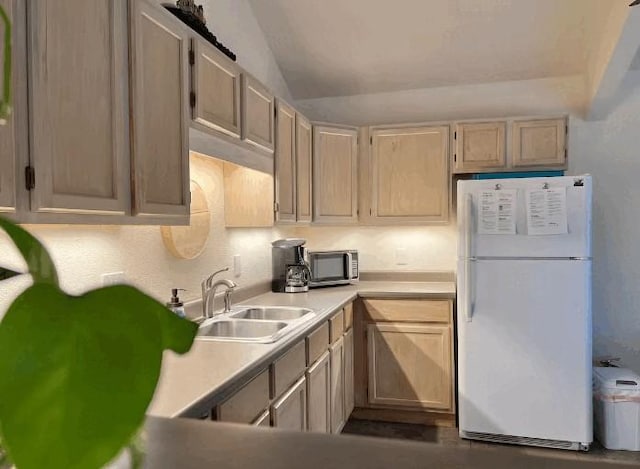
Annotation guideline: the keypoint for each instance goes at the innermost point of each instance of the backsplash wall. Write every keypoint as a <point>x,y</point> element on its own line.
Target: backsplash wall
<point>426,248</point>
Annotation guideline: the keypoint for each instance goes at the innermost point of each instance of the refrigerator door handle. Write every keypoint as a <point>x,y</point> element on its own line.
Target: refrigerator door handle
<point>468,259</point>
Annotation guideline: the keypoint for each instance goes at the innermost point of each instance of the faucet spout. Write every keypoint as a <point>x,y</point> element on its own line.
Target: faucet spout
<point>209,288</point>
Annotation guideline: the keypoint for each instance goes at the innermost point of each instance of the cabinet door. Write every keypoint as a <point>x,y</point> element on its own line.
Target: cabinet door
<point>410,365</point>
<point>337,385</point>
<point>7,139</point>
<point>257,114</point>
<point>78,105</point>
<point>285,163</point>
<point>159,54</point>
<point>264,420</point>
<point>216,84</point>
<point>335,178</point>
<point>349,396</point>
<point>290,411</point>
<point>480,147</point>
<point>411,174</point>
<point>319,394</point>
<point>539,143</point>
<point>248,197</point>
<point>303,169</point>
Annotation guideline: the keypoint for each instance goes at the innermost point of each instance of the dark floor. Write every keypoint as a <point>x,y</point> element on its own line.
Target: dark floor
<point>449,437</point>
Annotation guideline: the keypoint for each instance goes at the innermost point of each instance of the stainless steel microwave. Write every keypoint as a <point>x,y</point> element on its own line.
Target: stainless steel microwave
<point>333,267</point>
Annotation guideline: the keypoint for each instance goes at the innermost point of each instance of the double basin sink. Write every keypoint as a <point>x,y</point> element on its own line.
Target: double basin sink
<point>256,324</point>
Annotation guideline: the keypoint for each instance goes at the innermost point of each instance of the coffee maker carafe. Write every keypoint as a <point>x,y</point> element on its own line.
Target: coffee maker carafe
<point>291,272</point>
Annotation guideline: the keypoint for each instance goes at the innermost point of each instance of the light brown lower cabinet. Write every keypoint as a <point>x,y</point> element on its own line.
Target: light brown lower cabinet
<point>290,411</point>
<point>409,365</point>
<point>349,398</point>
<point>337,385</point>
<point>404,366</point>
<point>246,404</point>
<point>264,420</point>
<point>319,395</point>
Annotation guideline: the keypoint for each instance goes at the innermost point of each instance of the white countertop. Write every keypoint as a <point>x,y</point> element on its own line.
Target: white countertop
<point>191,383</point>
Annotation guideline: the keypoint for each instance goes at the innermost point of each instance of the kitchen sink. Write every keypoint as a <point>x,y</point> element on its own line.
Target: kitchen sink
<point>272,313</point>
<point>242,330</point>
<point>254,324</point>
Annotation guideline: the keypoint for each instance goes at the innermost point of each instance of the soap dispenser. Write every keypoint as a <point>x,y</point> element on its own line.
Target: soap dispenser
<point>175,305</point>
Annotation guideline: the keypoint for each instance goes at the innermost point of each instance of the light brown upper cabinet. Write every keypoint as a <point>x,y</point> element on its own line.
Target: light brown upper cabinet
<point>159,77</point>
<point>257,114</point>
<point>248,197</point>
<point>480,146</point>
<point>7,141</point>
<point>79,134</point>
<point>303,169</point>
<point>539,143</point>
<point>410,365</point>
<point>335,174</point>
<point>216,89</point>
<point>285,163</point>
<point>410,172</point>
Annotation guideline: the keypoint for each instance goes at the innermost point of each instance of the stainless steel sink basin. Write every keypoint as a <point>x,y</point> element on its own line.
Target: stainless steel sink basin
<point>255,324</point>
<point>277,313</point>
<point>243,330</point>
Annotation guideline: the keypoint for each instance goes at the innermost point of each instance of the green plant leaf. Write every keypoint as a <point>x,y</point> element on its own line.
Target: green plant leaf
<point>40,265</point>
<point>78,373</point>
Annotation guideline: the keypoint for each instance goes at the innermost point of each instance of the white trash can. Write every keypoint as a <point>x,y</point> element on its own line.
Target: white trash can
<point>616,405</point>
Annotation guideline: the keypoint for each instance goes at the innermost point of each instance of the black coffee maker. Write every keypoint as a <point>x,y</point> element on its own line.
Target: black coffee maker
<point>291,272</point>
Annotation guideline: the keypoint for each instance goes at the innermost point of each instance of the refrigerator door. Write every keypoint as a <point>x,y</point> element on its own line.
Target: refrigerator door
<point>525,358</point>
<point>576,243</point>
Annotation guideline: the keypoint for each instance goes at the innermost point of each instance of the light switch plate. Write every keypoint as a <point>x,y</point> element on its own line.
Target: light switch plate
<point>113,278</point>
<point>402,257</point>
<point>237,265</point>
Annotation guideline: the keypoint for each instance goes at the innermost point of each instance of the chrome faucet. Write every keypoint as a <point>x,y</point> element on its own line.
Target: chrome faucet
<point>209,288</point>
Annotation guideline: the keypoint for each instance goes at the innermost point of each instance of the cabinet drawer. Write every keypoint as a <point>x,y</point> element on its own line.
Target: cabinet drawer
<point>336,326</point>
<point>409,310</point>
<point>246,404</point>
<point>287,369</point>
<point>317,343</point>
<point>348,316</point>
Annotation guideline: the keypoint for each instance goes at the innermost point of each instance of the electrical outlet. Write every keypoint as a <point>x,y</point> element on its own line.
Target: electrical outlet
<point>402,257</point>
<point>112,278</point>
<point>237,265</point>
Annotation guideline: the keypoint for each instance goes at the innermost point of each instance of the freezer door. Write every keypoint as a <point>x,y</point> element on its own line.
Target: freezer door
<point>576,243</point>
<point>525,357</point>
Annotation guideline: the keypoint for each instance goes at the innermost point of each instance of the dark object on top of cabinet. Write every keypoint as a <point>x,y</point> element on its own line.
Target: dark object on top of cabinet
<point>196,22</point>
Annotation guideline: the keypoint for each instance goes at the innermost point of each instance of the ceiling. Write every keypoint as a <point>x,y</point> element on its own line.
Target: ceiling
<point>348,47</point>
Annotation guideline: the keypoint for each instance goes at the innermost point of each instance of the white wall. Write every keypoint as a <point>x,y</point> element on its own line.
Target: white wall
<point>492,100</point>
<point>610,151</point>
<point>427,248</point>
<point>83,253</point>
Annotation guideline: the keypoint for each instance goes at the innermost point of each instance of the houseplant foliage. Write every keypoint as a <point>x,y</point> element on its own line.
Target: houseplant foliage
<point>78,372</point>
<point>5,96</point>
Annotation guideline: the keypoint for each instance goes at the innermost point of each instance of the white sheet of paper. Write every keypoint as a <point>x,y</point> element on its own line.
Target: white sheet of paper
<point>547,211</point>
<point>496,212</point>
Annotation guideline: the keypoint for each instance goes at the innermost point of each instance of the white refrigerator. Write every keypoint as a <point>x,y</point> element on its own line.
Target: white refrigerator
<point>524,311</point>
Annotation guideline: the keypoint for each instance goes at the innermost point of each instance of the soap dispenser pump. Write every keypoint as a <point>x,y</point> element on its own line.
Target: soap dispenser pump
<point>175,305</point>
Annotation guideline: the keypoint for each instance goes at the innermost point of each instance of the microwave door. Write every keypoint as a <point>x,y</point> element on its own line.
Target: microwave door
<point>330,268</point>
